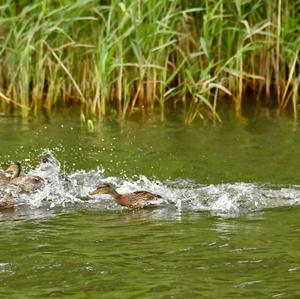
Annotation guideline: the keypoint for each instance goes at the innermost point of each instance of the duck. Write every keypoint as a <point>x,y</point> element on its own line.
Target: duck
<point>26,182</point>
<point>6,201</point>
<point>137,199</point>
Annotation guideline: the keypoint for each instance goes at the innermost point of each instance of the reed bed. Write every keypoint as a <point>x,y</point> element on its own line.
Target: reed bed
<point>123,56</point>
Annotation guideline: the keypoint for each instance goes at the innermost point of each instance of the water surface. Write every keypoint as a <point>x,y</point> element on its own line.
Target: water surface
<point>227,227</point>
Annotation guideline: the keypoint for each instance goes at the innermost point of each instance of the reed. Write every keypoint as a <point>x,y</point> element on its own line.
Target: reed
<point>122,56</point>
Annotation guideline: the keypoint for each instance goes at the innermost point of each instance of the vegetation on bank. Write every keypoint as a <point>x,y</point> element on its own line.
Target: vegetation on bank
<point>119,55</point>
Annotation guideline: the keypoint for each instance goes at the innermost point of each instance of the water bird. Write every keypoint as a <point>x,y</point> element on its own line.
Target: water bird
<point>25,182</point>
<point>137,199</point>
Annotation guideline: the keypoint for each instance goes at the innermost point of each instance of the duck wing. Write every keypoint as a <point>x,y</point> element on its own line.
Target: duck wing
<point>137,199</point>
<point>145,195</point>
<point>26,179</point>
<point>28,183</point>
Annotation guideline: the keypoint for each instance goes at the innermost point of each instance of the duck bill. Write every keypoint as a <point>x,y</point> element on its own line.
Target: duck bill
<point>93,192</point>
<point>9,169</point>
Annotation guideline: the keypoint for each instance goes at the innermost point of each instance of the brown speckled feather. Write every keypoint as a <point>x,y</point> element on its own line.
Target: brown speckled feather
<point>137,199</point>
<point>28,183</point>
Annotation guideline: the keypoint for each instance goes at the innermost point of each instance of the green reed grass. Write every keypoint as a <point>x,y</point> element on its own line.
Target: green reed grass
<point>125,55</point>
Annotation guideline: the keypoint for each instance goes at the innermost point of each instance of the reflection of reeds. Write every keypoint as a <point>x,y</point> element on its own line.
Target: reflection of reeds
<point>144,54</point>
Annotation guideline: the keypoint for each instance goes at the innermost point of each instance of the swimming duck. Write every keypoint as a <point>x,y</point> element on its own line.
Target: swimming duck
<point>27,182</point>
<point>6,201</point>
<point>137,199</point>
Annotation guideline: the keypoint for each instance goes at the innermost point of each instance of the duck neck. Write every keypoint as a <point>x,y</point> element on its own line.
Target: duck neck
<point>114,193</point>
<point>16,174</point>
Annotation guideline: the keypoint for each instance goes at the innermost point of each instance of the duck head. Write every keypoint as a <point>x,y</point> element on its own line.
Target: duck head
<point>14,169</point>
<point>105,189</point>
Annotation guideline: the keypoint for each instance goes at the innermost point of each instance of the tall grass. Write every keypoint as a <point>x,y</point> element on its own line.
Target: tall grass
<point>123,55</point>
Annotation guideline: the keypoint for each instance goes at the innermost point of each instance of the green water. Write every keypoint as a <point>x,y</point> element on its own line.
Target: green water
<point>84,250</point>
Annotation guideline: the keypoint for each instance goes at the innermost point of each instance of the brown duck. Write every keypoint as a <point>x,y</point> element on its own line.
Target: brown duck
<point>137,199</point>
<point>25,182</point>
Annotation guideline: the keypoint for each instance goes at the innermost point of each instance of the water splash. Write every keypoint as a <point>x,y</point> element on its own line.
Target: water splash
<point>66,190</point>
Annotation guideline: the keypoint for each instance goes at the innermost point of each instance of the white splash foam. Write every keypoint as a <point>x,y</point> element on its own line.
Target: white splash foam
<point>62,189</point>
